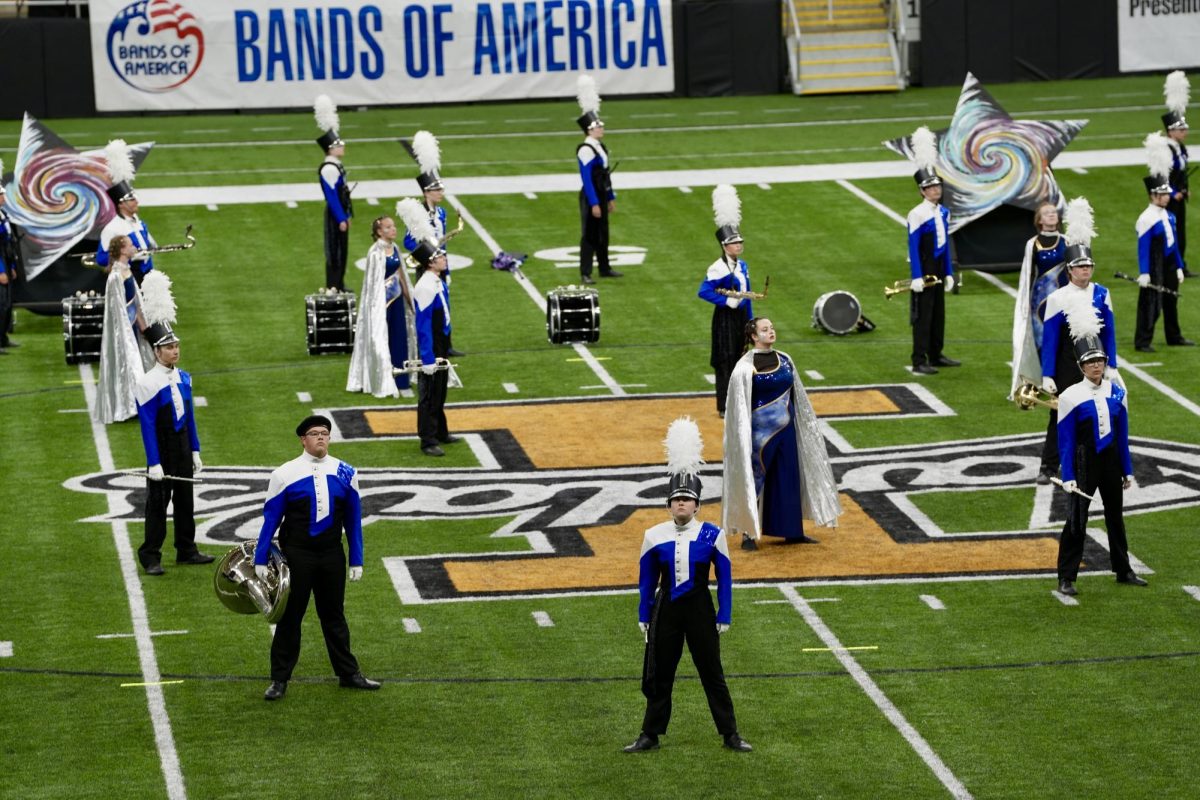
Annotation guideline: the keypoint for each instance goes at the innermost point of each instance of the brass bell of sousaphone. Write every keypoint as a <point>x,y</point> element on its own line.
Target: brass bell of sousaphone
<point>243,592</point>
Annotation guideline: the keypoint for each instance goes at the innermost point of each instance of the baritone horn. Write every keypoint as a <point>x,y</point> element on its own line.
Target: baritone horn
<point>239,588</point>
<point>1029,394</point>
<point>906,285</point>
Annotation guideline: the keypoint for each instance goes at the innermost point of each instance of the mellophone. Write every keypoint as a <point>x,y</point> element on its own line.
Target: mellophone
<point>572,315</point>
<point>329,316</point>
<point>83,327</point>
<point>89,259</point>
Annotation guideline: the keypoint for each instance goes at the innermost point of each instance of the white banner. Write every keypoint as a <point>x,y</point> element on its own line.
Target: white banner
<point>1158,34</point>
<point>217,54</point>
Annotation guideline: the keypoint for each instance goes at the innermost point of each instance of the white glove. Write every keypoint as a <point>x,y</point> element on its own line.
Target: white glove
<point>1049,386</point>
<point>1180,276</point>
<point>1128,484</point>
<point>1070,487</point>
<point>734,302</point>
<point>262,571</point>
<point>1112,374</point>
<point>155,473</point>
<point>645,627</point>
<point>428,369</point>
<point>356,573</point>
<point>721,628</point>
<point>918,285</point>
<point>1144,279</point>
<point>949,283</point>
<point>197,464</point>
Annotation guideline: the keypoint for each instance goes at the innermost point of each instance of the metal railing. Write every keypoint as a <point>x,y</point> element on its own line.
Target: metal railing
<point>793,44</point>
<point>898,41</point>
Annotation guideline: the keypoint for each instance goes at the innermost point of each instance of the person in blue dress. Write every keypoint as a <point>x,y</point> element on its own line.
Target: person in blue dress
<point>385,335</point>
<point>777,469</point>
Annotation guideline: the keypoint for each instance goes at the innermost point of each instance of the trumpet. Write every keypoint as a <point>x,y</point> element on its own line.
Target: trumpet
<point>748,295</point>
<point>1030,394</point>
<point>906,285</point>
<point>89,259</point>
<point>413,365</point>
<point>451,234</point>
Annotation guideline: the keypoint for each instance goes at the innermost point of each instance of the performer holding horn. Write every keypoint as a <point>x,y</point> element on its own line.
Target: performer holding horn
<point>1160,263</point>
<point>338,207</point>
<point>1177,91</point>
<point>1093,444</point>
<point>928,258</point>
<point>385,332</point>
<point>675,605</point>
<point>729,273</point>
<point>124,354</point>
<point>777,469</point>
<point>167,417</point>
<point>126,221</point>
<point>596,197</point>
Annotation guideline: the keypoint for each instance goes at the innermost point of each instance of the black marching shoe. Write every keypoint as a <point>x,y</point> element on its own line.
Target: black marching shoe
<point>587,280</point>
<point>455,353</point>
<point>612,273</point>
<point>1131,579</point>
<point>924,369</point>
<point>433,450</point>
<point>1145,349</point>
<point>450,439</point>
<point>736,743</point>
<point>1043,479</point>
<point>358,681</point>
<point>9,343</point>
<point>1067,587</point>
<point>196,558</point>
<point>1177,343</point>
<point>155,569</point>
<point>642,744</point>
<point>748,543</point>
<point>942,361</point>
<point>275,691</point>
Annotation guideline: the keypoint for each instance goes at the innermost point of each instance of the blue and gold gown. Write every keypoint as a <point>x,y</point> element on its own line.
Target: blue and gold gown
<point>775,457</point>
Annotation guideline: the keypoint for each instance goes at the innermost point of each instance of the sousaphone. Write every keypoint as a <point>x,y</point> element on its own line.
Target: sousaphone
<point>240,589</point>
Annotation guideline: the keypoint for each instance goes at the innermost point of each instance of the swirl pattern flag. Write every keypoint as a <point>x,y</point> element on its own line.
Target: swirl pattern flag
<point>987,159</point>
<point>57,195</point>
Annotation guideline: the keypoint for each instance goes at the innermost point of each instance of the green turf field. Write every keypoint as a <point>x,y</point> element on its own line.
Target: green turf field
<point>921,649</point>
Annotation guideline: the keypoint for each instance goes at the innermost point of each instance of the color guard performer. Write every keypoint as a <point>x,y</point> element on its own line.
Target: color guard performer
<point>1159,260</point>
<point>123,350</point>
<point>1177,91</point>
<point>1093,444</point>
<point>729,273</point>
<point>384,334</point>
<point>126,221</point>
<point>338,207</point>
<point>596,198</point>
<point>675,604</point>
<point>928,258</point>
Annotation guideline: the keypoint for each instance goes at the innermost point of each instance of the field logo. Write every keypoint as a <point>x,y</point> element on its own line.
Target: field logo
<point>155,45</point>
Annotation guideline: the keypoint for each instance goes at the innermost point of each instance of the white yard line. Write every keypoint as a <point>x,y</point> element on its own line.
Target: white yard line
<point>1194,591</point>
<point>542,619</point>
<point>164,738</point>
<point>868,685</point>
<point>411,625</point>
<point>933,602</point>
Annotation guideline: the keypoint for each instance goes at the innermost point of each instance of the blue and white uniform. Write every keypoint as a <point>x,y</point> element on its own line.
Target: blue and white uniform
<point>1101,409</point>
<point>313,499</point>
<point>680,557</point>
<point>166,393</point>
<point>730,315</point>
<point>929,254</point>
<point>432,303</point>
<point>134,228</point>
<point>1160,257</point>
<point>339,210</point>
<point>437,218</point>
<point>1057,349</point>
<point>596,191</point>
<point>1157,223</point>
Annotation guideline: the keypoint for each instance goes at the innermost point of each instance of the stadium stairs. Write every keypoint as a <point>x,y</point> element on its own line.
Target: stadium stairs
<point>850,50</point>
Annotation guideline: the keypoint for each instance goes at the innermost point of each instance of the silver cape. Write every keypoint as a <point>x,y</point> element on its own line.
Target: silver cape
<point>371,359</point>
<point>741,509</point>
<point>121,358</point>
<point>1026,360</point>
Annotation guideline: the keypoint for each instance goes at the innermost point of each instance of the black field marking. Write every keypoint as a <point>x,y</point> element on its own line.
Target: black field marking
<point>569,679</point>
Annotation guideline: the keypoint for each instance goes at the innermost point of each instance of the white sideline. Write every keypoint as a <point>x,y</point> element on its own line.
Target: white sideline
<point>164,738</point>
<point>1140,374</point>
<point>868,685</point>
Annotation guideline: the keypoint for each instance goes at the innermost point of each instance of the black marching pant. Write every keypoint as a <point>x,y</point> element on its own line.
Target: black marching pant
<point>1094,470</point>
<point>1150,303</point>
<point>1050,446</point>
<point>6,311</point>
<point>692,619</point>
<point>929,324</point>
<point>724,372</point>
<point>594,238</point>
<point>336,248</point>
<point>431,407</point>
<point>175,452</point>
<point>1179,209</point>
<point>322,574</point>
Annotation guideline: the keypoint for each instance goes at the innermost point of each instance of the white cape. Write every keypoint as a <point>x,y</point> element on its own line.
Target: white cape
<point>740,510</point>
<point>1025,360</point>
<point>121,357</point>
<point>371,359</point>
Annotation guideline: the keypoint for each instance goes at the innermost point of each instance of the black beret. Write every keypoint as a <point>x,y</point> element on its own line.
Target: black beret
<point>312,422</point>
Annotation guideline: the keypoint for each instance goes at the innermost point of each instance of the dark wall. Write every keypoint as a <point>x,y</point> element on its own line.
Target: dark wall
<point>1016,40</point>
<point>728,47</point>
<point>46,68</point>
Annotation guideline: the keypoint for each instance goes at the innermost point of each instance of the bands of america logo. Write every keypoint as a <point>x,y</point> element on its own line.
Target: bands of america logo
<point>554,509</point>
<point>155,45</point>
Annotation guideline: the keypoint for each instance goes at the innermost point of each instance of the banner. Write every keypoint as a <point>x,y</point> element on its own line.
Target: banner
<point>220,54</point>
<point>1158,34</point>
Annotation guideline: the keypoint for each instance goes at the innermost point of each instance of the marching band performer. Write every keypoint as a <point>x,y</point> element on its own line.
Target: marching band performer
<point>432,308</point>
<point>428,154</point>
<point>167,417</point>
<point>123,351</point>
<point>385,332</point>
<point>1177,90</point>
<point>596,197</point>
<point>1159,260</point>
<point>1093,444</point>
<point>338,207</point>
<point>729,272</point>
<point>929,256</point>
<point>310,501</point>
<point>126,221</point>
<point>675,604</point>
<point>777,468</point>
<point>8,269</point>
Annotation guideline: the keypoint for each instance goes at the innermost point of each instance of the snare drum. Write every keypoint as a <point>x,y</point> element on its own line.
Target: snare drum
<point>83,327</point>
<point>572,315</point>
<point>330,321</point>
<point>836,312</point>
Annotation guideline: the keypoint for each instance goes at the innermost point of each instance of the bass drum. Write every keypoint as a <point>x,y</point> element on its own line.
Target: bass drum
<point>837,313</point>
<point>329,318</point>
<point>572,315</point>
<point>83,327</point>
